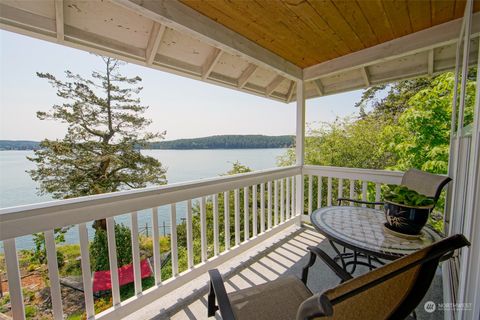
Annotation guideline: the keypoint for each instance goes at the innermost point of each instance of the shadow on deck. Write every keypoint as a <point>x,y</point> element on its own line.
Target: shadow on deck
<point>283,254</point>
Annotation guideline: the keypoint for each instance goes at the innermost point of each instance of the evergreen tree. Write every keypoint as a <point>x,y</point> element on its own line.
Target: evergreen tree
<point>100,151</point>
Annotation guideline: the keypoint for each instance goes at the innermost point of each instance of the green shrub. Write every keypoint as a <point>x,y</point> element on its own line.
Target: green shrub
<point>71,266</point>
<point>30,311</point>
<point>99,248</point>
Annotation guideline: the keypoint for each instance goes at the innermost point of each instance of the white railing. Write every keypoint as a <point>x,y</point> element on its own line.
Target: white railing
<point>272,191</point>
<point>269,205</point>
<point>326,184</point>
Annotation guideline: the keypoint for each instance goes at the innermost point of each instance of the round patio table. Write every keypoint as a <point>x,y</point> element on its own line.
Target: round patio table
<point>362,230</point>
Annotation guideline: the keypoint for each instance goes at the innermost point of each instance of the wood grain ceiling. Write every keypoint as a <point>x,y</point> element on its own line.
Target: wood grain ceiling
<point>308,32</point>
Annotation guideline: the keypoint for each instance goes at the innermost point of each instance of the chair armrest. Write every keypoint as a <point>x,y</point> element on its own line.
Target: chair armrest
<point>217,288</point>
<point>358,201</point>
<point>317,306</point>
<point>317,252</point>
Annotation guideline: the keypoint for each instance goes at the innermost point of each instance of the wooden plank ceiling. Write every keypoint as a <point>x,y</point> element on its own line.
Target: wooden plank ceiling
<point>308,32</point>
<point>320,41</point>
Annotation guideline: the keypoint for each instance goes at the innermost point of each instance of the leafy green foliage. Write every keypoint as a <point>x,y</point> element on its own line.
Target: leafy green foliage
<point>99,152</point>
<point>30,311</point>
<point>402,195</point>
<point>99,248</point>
<point>348,142</point>
<point>39,250</point>
<point>401,125</point>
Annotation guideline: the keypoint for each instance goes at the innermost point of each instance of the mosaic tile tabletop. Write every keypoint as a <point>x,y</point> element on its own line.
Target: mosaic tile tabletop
<point>363,228</point>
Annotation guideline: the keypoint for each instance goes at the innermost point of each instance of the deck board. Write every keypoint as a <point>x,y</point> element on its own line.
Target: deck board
<point>281,255</point>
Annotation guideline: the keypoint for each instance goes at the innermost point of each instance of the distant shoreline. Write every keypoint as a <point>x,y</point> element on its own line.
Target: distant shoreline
<point>218,142</point>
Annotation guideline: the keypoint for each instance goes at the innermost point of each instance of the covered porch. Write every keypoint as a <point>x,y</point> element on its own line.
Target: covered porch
<point>322,53</point>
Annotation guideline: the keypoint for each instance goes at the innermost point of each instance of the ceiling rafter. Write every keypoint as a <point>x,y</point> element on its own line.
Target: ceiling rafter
<point>319,86</point>
<point>365,76</point>
<point>273,85</point>
<point>246,75</point>
<point>291,90</point>
<point>59,20</point>
<point>156,35</point>
<point>430,62</point>
<point>210,63</point>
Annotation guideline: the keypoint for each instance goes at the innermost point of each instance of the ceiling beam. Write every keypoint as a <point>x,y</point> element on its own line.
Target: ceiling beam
<point>59,23</point>
<point>211,61</point>
<point>415,42</point>
<point>154,42</point>
<point>430,62</point>
<point>246,75</point>
<point>319,86</point>
<point>291,90</point>
<point>182,18</point>
<point>273,85</point>
<point>365,76</point>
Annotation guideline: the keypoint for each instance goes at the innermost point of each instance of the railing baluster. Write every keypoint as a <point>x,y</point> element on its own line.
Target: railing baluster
<point>319,191</point>
<point>237,216</point>
<point>378,191</point>
<point>275,202</point>
<point>55,292</point>
<point>262,207</point>
<point>86,272</point>
<point>13,275</point>
<point>246,218</point>
<point>340,188</point>
<point>310,193</point>
<point>269,205</point>
<point>364,192</point>
<point>329,191</point>
<point>203,228</point>
<point>294,205</point>
<point>156,247</point>
<point>287,198</point>
<point>226,208</point>
<point>173,238</point>
<point>189,235</point>
<point>254,210</point>
<point>137,276</point>
<point>112,256</point>
<point>352,189</point>
<point>216,244</point>
<point>282,200</point>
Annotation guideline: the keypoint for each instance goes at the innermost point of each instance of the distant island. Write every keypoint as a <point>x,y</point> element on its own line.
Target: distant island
<point>212,142</point>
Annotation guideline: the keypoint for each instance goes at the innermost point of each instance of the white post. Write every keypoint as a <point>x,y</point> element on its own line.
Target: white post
<point>469,271</point>
<point>300,148</point>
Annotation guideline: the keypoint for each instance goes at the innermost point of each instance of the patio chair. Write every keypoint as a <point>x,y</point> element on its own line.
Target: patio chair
<point>389,292</point>
<point>425,183</point>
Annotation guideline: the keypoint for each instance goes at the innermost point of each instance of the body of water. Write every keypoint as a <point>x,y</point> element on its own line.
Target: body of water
<point>17,188</point>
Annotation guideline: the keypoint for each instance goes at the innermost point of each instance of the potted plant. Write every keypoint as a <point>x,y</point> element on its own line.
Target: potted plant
<point>406,210</point>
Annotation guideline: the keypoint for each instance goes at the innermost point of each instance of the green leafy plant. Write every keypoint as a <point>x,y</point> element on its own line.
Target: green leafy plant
<point>40,251</point>
<point>99,248</point>
<point>402,195</point>
<point>30,311</point>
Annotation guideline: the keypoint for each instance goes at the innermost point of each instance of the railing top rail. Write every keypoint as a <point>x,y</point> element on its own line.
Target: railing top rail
<point>373,175</point>
<point>28,219</point>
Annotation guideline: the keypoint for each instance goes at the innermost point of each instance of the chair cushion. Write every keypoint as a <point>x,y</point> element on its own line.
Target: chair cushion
<point>275,300</point>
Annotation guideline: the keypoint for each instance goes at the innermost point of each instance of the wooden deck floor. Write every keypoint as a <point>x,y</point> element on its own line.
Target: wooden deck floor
<point>283,254</point>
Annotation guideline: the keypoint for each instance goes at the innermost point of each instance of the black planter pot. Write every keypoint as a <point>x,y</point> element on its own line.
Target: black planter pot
<point>406,219</point>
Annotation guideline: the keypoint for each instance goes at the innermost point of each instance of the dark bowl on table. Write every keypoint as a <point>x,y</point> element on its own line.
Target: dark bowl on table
<point>406,219</point>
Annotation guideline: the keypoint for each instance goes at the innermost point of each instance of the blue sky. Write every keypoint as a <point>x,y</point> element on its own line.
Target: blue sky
<point>183,107</point>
